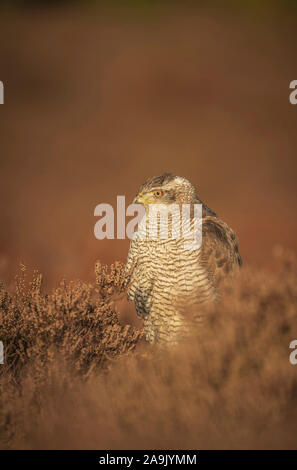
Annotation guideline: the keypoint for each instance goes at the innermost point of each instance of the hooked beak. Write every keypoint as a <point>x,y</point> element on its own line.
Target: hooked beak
<point>142,199</point>
<point>136,199</point>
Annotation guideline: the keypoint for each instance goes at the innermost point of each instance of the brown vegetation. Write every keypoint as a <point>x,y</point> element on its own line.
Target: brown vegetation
<point>108,101</point>
<point>74,377</point>
<point>95,103</point>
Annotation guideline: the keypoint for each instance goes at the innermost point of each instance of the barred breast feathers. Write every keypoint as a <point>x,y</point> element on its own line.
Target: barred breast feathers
<point>163,277</point>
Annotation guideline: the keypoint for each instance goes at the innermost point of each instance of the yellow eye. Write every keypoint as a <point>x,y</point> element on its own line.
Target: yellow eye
<point>158,193</point>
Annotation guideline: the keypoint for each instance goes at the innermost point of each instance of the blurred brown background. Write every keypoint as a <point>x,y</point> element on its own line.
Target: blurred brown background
<point>97,100</point>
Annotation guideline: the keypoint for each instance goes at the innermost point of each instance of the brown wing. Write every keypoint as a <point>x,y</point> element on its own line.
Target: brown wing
<point>219,251</point>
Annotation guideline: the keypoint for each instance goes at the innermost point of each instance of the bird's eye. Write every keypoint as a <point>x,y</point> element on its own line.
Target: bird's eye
<point>158,193</point>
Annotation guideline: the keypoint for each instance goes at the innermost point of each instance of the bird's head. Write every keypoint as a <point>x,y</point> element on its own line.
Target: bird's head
<point>166,189</point>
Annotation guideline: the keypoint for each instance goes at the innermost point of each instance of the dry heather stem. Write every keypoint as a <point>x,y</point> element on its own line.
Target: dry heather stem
<point>231,386</point>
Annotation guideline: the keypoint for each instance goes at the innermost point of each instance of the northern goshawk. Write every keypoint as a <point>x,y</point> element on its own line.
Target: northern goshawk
<point>165,280</point>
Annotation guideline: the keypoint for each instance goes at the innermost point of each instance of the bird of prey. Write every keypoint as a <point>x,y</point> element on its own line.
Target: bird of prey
<point>164,279</point>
